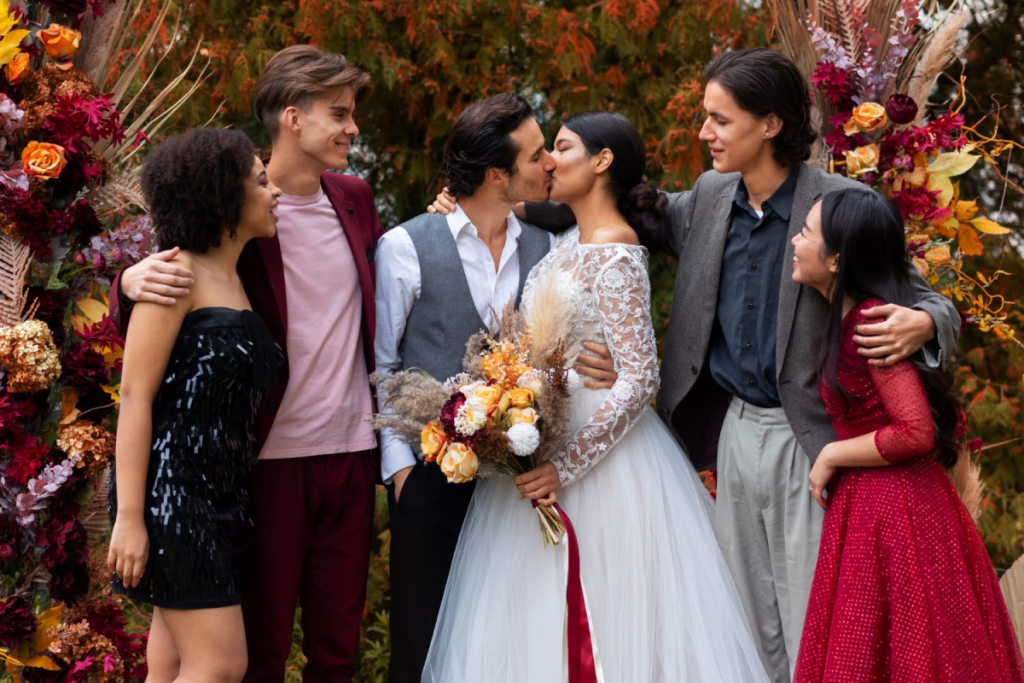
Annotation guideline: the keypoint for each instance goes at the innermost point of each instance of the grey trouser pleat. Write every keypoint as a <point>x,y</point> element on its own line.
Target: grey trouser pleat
<point>768,526</point>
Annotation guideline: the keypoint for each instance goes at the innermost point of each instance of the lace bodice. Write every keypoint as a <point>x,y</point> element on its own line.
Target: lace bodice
<point>607,293</point>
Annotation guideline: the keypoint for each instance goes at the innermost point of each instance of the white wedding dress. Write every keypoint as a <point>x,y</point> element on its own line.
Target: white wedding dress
<point>662,605</point>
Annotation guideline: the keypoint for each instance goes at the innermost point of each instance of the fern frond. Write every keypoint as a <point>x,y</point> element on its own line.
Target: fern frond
<point>15,259</point>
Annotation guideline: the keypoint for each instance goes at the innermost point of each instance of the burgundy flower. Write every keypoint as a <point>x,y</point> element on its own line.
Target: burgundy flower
<point>16,620</point>
<point>10,536</point>
<point>52,305</point>
<point>833,83</point>
<point>450,410</point>
<point>69,582</point>
<point>107,619</point>
<point>71,8</point>
<point>30,457</point>
<point>64,542</point>
<point>901,108</point>
<point>83,368</point>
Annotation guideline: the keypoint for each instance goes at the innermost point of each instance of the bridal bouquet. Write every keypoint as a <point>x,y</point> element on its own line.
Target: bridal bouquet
<point>505,414</point>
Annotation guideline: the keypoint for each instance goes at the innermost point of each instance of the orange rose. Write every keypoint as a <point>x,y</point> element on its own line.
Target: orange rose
<point>17,69</point>
<point>519,416</point>
<point>459,463</point>
<point>862,160</point>
<point>60,42</point>
<point>521,398</point>
<point>490,396</point>
<point>866,118</point>
<point>433,439</point>
<point>43,159</point>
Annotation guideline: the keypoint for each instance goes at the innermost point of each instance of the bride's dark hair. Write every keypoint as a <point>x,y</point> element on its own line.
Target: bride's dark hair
<point>640,203</point>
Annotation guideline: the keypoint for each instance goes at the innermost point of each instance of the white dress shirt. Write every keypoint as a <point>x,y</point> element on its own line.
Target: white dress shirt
<point>398,288</point>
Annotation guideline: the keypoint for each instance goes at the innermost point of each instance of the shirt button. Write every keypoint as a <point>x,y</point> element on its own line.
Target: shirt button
<point>753,267</point>
<point>751,382</point>
<point>750,306</point>
<point>748,345</point>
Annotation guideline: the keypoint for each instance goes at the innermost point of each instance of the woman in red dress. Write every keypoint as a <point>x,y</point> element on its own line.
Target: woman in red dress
<point>904,590</point>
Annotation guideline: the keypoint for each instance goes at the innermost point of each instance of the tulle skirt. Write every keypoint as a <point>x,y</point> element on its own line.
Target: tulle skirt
<point>662,603</point>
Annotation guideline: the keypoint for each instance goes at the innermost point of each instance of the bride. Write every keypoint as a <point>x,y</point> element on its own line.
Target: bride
<point>662,606</point>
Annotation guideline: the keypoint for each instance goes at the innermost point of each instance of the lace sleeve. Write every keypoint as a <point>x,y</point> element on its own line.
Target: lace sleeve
<point>911,432</point>
<point>620,285</point>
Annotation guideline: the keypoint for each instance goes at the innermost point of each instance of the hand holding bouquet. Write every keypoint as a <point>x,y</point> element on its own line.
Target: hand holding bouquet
<point>505,414</point>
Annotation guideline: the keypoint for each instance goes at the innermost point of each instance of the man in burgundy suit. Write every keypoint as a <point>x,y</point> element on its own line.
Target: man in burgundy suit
<point>313,487</point>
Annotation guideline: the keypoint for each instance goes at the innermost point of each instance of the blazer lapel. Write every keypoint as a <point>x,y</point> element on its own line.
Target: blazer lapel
<point>710,263</point>
<point>808,191</point>
<point>270,252</point>
<point>358,244</point>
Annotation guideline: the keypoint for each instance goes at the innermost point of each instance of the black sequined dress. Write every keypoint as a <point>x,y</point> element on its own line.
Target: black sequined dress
<point>197,507</point>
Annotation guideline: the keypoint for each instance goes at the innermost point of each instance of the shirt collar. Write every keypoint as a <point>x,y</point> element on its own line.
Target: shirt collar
<point>781,200</point>
<point>459,223</point>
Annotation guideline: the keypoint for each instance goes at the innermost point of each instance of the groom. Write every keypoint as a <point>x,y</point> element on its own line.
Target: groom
<point>440,280</point>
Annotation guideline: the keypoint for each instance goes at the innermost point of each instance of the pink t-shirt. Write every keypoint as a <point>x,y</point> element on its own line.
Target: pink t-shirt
<point>328,393</point>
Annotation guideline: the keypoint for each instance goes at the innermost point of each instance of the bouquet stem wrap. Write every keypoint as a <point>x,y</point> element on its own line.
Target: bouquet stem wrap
<point>583,661</point>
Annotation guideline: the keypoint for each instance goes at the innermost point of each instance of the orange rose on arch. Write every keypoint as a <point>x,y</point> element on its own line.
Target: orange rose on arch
<point>43,159</point>
<point>60,42</point>
<point>17,69</point>
<point>862,160</point>
<point>866,118</point>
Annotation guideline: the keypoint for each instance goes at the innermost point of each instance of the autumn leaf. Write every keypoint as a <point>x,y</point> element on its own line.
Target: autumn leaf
<point>953,164</point>
<point>43,662</point>
<point>970,243</point>
<point>965,210</point>
<point>47,620</point>
<point>989,227</point>
<point>922,266</point>
<point>939,254</point>
<point>68,412</point>
<point>943,185</point>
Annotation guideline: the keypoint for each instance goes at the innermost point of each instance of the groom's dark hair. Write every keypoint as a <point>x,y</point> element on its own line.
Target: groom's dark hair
<point>481,139</point>
<point>764,82</point>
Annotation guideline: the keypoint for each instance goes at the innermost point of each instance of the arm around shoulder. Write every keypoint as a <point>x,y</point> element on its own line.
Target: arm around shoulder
<point>945,316</point>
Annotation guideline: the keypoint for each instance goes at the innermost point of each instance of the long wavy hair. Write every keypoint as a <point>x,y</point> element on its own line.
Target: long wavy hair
<point>866,230</point>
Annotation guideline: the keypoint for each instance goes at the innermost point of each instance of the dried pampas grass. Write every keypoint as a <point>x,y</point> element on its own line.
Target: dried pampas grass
<point>938,54</point>
<point>1012,585</point>
<point>414,399</point>
<point>967,481</point>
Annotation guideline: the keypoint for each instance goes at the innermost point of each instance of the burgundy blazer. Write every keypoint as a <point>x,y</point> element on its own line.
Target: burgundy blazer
<point>262,271</point>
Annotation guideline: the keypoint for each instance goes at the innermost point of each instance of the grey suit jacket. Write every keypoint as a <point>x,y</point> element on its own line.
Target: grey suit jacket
<point>690,400</point>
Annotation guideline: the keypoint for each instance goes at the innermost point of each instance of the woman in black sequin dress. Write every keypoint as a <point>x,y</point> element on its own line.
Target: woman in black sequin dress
<point>194,374</point>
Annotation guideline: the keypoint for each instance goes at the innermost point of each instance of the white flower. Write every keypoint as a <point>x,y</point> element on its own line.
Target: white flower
<point>573,380</point>
<point>524,437</point>
<point>453,383</point>
<point>532,380</point>
<point>471,417</point>
<point>469,389</point>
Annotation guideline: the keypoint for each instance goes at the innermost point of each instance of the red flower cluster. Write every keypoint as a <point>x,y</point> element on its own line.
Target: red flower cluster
<point>30,456</point>
<point>83,368</point>
<point>108,620</point>
<point>16,620</point>
<point>10,537</point>
<point>63,541</point>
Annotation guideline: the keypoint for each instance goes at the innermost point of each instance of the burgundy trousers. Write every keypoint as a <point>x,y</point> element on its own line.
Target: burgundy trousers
<point>314,523</point>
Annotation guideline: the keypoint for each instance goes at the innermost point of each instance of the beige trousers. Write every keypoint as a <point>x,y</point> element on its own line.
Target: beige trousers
<point>768,527</point>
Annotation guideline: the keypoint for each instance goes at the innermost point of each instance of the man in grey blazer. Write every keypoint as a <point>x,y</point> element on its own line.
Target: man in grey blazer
<point>739,368</point>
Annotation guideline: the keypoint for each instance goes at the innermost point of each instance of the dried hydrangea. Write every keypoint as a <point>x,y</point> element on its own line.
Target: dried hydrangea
<point>87,445</point>
<point>86,654</point>
<point>10,120</point>
<point>28,355</point>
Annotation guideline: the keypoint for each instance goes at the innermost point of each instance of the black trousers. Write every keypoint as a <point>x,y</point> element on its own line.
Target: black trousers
<point>425,526</point>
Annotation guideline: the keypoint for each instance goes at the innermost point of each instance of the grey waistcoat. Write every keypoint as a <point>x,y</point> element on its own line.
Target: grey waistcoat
<point>443,318</point>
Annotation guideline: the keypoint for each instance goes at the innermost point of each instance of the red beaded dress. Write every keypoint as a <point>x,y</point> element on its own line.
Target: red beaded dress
<point>904,590</point>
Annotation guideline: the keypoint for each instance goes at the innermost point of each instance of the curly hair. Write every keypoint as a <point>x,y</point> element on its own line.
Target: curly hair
<point>194,184</point>
<point>482,139</point>
<point>764,82</point>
